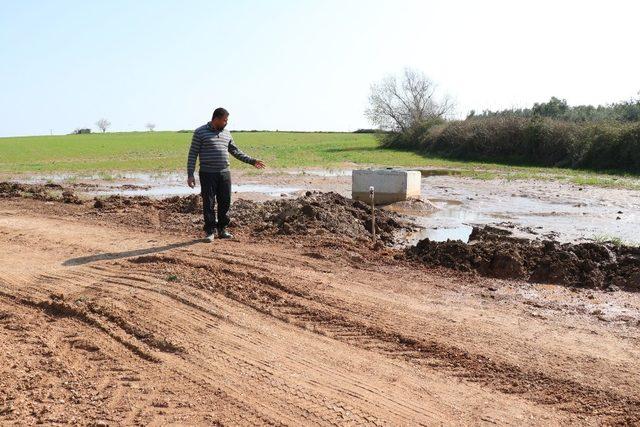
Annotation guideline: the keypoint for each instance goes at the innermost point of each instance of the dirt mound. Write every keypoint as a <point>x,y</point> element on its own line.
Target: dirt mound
<point>191,204</point>
<point>312,214</point>
<point>316,213</point>
<point>184,205</point>
<point>120,202</point>
<point>46,192</point>
<point>491,252</point>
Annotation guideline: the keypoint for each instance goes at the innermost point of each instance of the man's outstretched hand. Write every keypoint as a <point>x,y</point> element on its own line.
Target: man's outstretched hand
<point>191,181</point>
<point>259,164</point>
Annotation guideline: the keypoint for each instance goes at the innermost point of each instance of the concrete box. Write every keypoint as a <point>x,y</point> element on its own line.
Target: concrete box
<point>391,185</point>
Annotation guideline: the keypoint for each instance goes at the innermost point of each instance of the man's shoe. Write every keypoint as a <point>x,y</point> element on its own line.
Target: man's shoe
<point>209,237</point>
<point>224,234</point>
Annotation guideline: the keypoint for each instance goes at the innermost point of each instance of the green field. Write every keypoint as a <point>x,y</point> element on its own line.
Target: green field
<point>167,151</point>
<point>163,151</point>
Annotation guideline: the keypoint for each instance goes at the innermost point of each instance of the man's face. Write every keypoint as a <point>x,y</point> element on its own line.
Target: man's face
<point>220,122</point>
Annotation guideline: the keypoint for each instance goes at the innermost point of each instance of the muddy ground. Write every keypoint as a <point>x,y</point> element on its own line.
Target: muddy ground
<point>494,252</point>
<point>534,209</point>
<point>115,312</point>
<point>314,213</point>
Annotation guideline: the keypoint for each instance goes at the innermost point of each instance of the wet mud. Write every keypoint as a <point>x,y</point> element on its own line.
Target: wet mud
<point>493,252</point>
<point>314,213</point>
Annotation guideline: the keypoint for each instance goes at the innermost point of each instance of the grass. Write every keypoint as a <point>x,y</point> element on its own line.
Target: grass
<point>108,154</point>
<point>165,151</point>
<point>614,240</point>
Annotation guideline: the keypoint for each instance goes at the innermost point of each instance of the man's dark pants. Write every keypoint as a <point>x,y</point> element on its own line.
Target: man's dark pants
<point>215,186</point>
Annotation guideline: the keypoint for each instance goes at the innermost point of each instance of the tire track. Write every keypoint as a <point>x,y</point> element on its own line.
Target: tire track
<point>294,400</point>
<point>273,298</point>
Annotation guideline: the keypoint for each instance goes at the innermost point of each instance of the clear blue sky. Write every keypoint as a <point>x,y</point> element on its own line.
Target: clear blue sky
<point>298,65</point>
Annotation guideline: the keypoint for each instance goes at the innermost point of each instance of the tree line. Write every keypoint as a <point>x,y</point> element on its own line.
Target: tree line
<point>411,115</point>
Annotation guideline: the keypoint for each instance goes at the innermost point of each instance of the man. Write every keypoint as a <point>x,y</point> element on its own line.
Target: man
<point>213,144</point>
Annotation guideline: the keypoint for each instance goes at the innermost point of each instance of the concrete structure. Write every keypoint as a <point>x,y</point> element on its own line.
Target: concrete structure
<point>391,185</point>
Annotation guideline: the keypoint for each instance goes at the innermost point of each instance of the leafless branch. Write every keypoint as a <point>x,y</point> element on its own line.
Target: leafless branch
<point>103,124</point>
<point>399,105</point>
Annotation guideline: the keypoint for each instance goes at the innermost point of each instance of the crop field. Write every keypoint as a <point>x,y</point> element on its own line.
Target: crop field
<point>111,153</point>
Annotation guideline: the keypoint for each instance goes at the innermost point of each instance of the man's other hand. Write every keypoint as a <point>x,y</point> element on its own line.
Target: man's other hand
<point>259,164</point>
<point>191,181</point>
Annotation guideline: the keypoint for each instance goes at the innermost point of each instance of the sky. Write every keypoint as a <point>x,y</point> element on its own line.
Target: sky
<point>299,65</point>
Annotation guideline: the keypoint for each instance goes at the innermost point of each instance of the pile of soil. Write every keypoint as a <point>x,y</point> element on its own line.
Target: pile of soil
<point>185,205</point>
<point>493,252</point>
<point>181,214</point>
<point>46,192</point>
<point>316,213</point>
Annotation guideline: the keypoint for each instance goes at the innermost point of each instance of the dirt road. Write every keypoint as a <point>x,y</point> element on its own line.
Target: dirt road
<point>105,323</point>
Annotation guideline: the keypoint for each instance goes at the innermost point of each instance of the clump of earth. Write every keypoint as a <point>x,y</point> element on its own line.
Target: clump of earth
<point>184,205</point>
<point>46,192</point>
<point>317,213</point>
<point>493,252</point>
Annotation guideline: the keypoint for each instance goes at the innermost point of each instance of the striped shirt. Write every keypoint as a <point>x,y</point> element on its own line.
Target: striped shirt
<point>213,148</point>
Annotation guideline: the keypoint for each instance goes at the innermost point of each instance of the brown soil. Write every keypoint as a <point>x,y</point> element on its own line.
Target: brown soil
<point>314,213</point>
<point>491,252</point>
<point>47,192</point>
<point>108,319</point>
<point>317,213</point>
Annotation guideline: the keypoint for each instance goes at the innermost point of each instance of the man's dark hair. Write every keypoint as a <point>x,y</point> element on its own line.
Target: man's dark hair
<point>219,112</point>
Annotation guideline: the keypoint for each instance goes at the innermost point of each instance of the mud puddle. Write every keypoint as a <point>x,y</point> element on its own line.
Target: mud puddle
<point>447,220</point>
<point>155,186</point>
<point>529,208</point>
<point>161,191</point>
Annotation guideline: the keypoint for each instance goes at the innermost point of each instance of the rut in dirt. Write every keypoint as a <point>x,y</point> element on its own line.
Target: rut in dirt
<point>313,312</point>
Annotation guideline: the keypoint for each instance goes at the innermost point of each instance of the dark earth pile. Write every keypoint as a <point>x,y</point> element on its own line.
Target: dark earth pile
<point>177,204</point>
<point>312,214</point>
<point>492,252</point>
<point>316,213</point>
<point>46,192</point>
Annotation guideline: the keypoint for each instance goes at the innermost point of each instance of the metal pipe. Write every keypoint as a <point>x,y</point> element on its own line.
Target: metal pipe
<point>373,213</point>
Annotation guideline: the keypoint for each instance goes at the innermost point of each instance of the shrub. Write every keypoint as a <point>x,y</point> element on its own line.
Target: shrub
<point>535,141</point>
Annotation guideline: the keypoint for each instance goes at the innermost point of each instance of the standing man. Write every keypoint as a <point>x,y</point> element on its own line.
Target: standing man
<point>213,144</point>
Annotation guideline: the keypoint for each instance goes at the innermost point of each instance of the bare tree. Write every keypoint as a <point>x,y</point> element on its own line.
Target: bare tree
<point>150,126</point>
<point>398,104</point>
<point>103,124</point>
